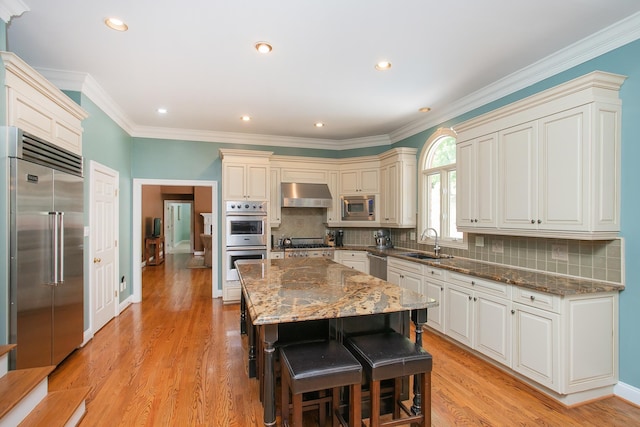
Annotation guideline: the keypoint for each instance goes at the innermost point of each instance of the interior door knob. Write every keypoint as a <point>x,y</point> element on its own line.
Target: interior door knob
<point>96,260</point>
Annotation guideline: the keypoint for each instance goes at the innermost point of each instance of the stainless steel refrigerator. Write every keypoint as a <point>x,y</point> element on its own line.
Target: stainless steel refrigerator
<point>46,251</point>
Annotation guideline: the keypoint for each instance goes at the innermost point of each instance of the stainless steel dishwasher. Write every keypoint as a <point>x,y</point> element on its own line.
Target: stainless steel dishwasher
<point>377,266</point>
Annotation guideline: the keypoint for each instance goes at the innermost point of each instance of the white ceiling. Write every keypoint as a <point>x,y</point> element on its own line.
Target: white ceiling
<point>196,58</point>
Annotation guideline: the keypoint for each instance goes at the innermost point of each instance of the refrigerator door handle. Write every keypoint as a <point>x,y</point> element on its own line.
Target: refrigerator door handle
<point>53,220</point>
<point>60,278</point>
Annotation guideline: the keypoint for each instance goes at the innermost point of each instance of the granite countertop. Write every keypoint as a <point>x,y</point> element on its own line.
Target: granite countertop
<point>543,282</point>
<point>299,289</point>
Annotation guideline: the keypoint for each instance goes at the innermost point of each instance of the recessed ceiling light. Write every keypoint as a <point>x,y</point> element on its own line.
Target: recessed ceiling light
<point>383,65</point>
<point>263,47</point>
<point>162,111</point>
<point>319,124</point>
<point>245,118</point>
<point>424,109</point>
<point>116,24</point>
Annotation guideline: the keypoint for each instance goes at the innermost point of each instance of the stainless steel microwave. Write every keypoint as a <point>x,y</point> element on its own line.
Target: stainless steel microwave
<point>358,208</point>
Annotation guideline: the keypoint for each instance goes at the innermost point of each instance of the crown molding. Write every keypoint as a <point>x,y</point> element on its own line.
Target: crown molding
<point>606,40</point>
<point>11,8</point>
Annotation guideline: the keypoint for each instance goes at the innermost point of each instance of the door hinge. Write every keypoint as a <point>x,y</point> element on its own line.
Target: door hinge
<point>115,293</point>
<point>116,243</point>
<point>116,193</point>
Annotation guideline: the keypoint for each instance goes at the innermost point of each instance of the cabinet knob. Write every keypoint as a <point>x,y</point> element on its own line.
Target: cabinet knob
<point>473,282</point>
<point>97,260</point>
<point>469,297</point>
<point>475,220</point>
<point>513,312</point>
<point>441,288</point>
<point>533,221</point>
<point>539,221</point>
<point>533,298</point>
<point>475,298</point>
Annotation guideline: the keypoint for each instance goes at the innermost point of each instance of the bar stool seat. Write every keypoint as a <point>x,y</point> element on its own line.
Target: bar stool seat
<point>316,366</point>
<point>393,356</point>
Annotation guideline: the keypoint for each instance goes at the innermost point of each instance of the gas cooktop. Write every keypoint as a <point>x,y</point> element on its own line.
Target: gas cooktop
<point>307,243</point>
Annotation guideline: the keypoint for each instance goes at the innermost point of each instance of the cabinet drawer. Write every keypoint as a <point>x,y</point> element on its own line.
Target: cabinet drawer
<point>536,299</point>
<point>351,255</point>
<point>406,266</point>
<point>430,272</point>
<point>483,285</point>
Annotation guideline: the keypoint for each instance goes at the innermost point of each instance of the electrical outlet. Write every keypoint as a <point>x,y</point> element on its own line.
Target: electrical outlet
<point>480,241</point>
<point>123,286</point>
<point>497,246</point>
<point>560,252</point>
<point>375,234</point>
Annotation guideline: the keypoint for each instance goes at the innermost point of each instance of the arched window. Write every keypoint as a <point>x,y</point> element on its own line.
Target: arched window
<point>437,192</point>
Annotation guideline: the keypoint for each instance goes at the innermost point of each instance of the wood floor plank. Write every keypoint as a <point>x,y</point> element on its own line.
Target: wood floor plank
<point>178,358</point>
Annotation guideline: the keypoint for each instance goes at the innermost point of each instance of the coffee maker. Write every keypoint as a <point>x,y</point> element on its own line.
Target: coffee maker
<point>383,239</point>
<point>339,238</point>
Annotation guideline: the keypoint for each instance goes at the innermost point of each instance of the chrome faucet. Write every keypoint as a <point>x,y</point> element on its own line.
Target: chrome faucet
<point>425,233</point>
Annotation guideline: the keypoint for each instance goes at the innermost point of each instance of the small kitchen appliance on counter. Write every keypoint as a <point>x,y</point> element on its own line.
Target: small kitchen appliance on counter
<point>383,239</point>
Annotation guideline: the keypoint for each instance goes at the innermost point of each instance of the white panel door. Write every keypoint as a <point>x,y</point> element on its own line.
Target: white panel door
<point>435,316</point>
<point>104,244</point>
<point>493,327</point>
<point>459,314</point>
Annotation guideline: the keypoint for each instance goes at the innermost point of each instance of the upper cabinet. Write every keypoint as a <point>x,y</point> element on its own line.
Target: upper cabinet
<point>362,179</point>
<point>398,188</point>
<point>39,108</point>
<point>556,156</point>
<point>476,174</point>
<point>245,174</point>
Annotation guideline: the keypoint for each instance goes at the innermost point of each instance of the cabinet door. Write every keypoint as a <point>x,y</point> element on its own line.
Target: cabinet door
<point>275,195</point>
<point>412,282</point>
<point>369,181</point>
<point>518,177</point>
<point>390,194</point>
<point>257,182</point>
<point>435,316</point>
<point>349,182</point>
<point>536,345</point>
<point>393,275</point>
<point>563,155</point>
<point>333,213</point>
<point>459,314</point>
<point>466,194</point>
<point>493,327</point>
<point>234,182</point>
<point>486,155</point>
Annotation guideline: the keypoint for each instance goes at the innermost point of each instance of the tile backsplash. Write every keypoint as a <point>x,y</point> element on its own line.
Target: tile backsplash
<point>301,222</point>
<point>599,260</point>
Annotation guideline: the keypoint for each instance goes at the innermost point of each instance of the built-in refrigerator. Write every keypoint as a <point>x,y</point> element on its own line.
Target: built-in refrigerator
<point>46,251</point>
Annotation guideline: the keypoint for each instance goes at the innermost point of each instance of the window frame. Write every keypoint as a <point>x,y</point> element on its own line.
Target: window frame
<point>423,211</point>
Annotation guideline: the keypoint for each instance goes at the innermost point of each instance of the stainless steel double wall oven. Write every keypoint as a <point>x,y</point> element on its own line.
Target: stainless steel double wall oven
<point>246,233</point>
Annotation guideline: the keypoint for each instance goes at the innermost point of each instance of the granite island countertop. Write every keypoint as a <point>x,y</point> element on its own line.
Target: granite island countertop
<point>538,281</point>
<point>299,289</point>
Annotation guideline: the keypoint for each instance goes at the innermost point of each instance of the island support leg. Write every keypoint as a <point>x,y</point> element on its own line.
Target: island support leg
<point>269,384</point>
<point>419,318</point>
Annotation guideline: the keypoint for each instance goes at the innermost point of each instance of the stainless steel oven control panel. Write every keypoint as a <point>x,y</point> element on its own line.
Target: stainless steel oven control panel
<point>246,207</point>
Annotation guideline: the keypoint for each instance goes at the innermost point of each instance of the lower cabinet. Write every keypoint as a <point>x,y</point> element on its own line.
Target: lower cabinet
<point>357,260</point>
<point>434,288</point>
<point>405,274</point>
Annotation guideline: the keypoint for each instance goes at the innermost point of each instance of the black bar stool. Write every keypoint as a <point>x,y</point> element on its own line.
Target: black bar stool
<point>318,366</point>
<point>391,355</point>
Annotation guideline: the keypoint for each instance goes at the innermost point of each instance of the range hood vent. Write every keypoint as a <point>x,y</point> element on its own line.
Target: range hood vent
<point>296,195</point>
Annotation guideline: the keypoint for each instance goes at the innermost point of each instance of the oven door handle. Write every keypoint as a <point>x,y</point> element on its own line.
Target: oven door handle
<point>246,248</point>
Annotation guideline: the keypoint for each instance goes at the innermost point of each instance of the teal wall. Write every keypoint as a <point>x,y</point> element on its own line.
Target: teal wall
<point>105,142</point>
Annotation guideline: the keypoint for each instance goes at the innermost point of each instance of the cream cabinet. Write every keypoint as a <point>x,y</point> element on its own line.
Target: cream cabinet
<point>357,260</point>
<point>275,198</point>
<point>405,274</point>
<point>364,180</point>
<point>434,287</point>
<point>476,176</point>
<point>398,188</point>
<point>39,108</point>
<point>334,213</point>
<point>558,163</point>
<point>245,175</point>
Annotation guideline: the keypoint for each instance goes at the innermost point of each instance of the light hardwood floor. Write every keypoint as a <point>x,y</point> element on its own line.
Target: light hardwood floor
<point>177,359</point>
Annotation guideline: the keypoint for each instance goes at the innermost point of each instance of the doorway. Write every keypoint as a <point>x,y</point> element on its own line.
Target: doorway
<point>138,183</point>
<point>178,227</point>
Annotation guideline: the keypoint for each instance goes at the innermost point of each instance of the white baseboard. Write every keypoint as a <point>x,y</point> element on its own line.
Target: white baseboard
<point>627,392</point>
<point>86,337</point>
<point>124,304</point>
<point>198,253</point>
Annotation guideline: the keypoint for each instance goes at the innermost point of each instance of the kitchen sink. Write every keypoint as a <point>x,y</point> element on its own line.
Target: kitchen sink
<point>418,255</point>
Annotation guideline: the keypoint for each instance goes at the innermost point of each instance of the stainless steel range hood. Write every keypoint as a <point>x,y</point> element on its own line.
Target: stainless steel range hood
<point>296,195</point>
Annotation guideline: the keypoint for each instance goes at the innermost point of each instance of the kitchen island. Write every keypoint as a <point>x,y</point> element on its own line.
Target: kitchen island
<point>307,289</point>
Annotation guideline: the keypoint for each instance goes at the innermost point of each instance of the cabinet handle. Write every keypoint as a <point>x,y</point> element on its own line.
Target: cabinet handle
<point>441,288</point>
<point>475,220</point>
<point>473,282</point>
<point>471,220</point>
<point>469,297</point>
<point>539,221</point>
<point>533,298</point>
<point>533,221</point>
<point>475,298</point>
<point>513,312</point>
